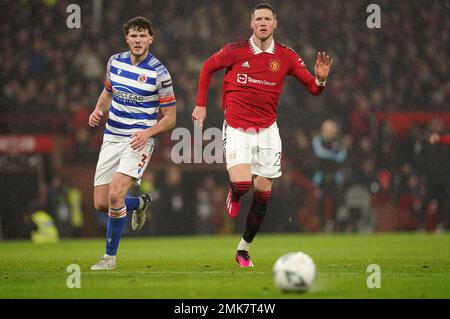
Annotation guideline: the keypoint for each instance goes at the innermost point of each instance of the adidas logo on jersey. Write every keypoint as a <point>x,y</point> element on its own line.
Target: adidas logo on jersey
<point>245,64</point>
<point>119,71</point>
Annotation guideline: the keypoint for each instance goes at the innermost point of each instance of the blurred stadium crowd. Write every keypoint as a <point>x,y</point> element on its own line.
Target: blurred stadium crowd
<point>373,179</point>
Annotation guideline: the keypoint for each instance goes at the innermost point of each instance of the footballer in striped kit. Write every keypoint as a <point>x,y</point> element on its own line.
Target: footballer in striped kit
<point>137,86</point>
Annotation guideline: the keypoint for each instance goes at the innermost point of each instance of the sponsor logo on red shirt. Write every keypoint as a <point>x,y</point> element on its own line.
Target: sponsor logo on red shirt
<point>242,78</point>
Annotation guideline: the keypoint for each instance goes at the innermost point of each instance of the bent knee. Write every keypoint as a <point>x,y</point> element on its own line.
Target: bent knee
<point>115,198</point>
<point>101,206</point>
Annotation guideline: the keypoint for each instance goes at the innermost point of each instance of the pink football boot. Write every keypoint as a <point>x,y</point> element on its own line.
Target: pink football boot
<point>243,258</point>
<point>232,206</point>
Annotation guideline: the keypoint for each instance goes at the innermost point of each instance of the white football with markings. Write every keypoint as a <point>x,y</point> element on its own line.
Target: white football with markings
<point>294,271</point>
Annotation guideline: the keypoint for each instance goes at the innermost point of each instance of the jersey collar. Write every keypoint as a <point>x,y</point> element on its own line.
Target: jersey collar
<point>143,62</point>
<point>256,50</point>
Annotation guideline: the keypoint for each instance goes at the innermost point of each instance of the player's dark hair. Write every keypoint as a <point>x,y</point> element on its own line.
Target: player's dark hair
<point>263,5</point>
<point>138,23</point>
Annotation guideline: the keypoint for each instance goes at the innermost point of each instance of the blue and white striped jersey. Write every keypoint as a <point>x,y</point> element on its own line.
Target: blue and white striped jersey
<point>138,93</point>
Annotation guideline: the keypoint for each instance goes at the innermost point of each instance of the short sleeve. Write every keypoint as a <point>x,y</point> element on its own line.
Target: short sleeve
<point>165,88</point>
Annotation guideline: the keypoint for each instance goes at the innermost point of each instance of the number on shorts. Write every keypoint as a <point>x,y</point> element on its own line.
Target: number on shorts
<point>278,160</point>
<point>143,159</point>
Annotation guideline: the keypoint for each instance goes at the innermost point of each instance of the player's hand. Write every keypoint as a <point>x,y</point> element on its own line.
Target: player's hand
<point>199,116</point>
<point>95,118</point>
<point>138,141</point>
<point>434,138</point>
<point>323,66</point>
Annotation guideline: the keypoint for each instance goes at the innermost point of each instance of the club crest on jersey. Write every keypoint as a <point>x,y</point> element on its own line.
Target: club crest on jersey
<point>274,65</point>
<point>232,156</point>
<point>142,78</point>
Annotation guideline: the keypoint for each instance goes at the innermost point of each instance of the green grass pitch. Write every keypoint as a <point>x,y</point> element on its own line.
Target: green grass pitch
<point>412,266</point>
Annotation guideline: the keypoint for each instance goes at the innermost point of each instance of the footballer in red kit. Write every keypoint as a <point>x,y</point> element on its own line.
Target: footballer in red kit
<point>254,77</point>
<point>253,81</point>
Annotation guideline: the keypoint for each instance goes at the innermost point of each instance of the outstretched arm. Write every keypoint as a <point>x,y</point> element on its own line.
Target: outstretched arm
<point>104,100</point>
<point>322,68</point>
<point>102,107</point>
<point>211,65</point>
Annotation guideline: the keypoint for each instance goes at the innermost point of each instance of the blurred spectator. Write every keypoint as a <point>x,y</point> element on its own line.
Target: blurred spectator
<point>330,153</point>
<point>410,200</point>
<point>88,63</point>
<point>39,224</point>
<point>361,118</point>
<point>22,179</point>
<point>355,215</point>
<point>435,169</point>
<point>46,231</point>
<point>301,154</point>
<point>362,151</point>
<point>387,157</point>
<point>410,143</point>
<point>383,202</point>
<point>64,204</point>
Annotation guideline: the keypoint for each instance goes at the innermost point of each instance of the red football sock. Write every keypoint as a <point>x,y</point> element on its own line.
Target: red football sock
<point>256,214</point>
<point>239,189</point>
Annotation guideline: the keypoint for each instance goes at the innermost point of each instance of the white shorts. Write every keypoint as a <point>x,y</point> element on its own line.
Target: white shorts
<point>261,150</point>
<point>120,157</point>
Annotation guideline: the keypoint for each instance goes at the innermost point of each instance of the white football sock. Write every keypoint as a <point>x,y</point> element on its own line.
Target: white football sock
<point>243,245</point>
<point>110,257</point>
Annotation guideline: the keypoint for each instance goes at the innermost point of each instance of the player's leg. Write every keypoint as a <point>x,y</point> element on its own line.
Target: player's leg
<point>138,205</point>
<point>116,219</point>
<point>119,187</point>
<point>132,203</point>
<point>101,193</point>
<point>117,169</point>
<point>108,164</point>
<point>238,160</point>
<point>134,164</point>
<point>240,184</point>
<point>258,209</point>
<point>266,165</point>
<point>101,198</point>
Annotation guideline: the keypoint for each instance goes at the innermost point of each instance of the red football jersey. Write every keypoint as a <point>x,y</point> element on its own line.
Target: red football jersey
<point>253,81</point>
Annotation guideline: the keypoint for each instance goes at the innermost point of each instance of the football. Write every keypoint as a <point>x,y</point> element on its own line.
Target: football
<point>294,271</point>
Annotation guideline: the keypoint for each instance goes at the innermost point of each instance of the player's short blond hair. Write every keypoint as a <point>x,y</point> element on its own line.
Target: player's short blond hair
<point>263,6</point>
